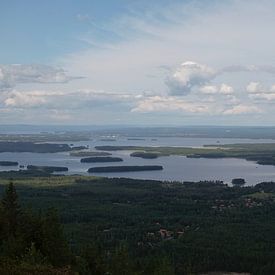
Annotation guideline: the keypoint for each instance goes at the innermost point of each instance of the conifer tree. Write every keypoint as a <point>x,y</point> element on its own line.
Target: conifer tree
<point>10,210</point>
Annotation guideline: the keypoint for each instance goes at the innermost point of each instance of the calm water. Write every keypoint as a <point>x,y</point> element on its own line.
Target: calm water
<point>175,167</point>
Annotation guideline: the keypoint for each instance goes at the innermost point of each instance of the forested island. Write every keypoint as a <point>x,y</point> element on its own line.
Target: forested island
<point>65,136</point>
<point>101,159</point>
<point>262,153</point>
<point>89,154</point>
<point>145,155</point>
<point>19,147</point>
<point>127,226</point>
<point>125,168</point>
<point>8,163</point>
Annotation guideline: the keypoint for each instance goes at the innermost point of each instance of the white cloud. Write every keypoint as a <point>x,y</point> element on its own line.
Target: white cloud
<point>67,99</point>
<point>218,35</point>
<point>232,99</point>
<point>254,88</point>
<point>223,89</point>
<point>169,104</point>
<point>226,89</point>
<point>11,75</point>
<point>264,96</point>
<point>188,75</point>
<point>249,68</point>
<point>1,75</point>
<point>209,89</point>
<point>257,91</point>
<point>242,109</point>
<point>24,100</point>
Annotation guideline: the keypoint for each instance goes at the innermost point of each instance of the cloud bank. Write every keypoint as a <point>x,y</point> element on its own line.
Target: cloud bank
<point>13,74</point>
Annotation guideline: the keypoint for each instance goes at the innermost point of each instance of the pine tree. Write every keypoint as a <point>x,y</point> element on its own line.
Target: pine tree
<point>53,243</point>
<point>10,210</point>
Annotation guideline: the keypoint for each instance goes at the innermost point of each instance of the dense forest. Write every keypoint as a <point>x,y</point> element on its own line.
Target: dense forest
<point>101,159</point>
<point>125,168</point>
<point>262,153</point>
<point>20,146</point>
<point>124,226</point>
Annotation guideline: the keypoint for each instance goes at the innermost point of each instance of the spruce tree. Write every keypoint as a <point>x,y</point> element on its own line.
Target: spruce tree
<point>11,210</point>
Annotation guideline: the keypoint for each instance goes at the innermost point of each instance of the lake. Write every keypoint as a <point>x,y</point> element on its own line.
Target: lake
<point>176,168</point>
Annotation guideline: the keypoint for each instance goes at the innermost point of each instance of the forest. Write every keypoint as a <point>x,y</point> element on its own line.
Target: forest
<point>101,159</point>
<point>127,226</point>
<point>19,146</point>
<point>262,153</point>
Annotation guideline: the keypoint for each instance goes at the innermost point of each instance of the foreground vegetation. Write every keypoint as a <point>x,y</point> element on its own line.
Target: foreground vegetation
<point>125,226</point>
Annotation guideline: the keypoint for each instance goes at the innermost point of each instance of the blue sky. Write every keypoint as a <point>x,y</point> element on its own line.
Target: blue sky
<point>38,31</point>
<point>137,62</point>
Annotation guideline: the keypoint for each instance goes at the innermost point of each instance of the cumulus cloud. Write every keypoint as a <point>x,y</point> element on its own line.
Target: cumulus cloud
<point>255,88</point>
<point>71,99</point>
<point>257,91</point>
<point>191,74</point>
<point>188,75</point>
<point>177,104</point>
<point>264,96</point>
<point>164,104</point>
<point>223,89</point>
<point>24,100</point>
<point>242,109</point>
<point>226,89</point>
<point>248,68</point>
<point>209,89</point>
<point>13,74</point>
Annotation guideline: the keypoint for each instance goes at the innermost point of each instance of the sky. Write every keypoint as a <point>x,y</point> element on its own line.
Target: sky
<point>128,62</point>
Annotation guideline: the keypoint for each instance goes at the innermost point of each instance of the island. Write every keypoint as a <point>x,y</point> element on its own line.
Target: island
<point>8,163</point>
<point>238,182</point>
<point>47,169</point>
<point>110,169</point>
<point>145,155</point>
<point>136,139</point>
<point>101,159</point>
<point>107,139</point>
<point>89,154</point>
<point>32,147</point>
<point>261,153</point>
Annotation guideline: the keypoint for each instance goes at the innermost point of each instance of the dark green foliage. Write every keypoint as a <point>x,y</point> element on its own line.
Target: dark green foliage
<point>10,211</point>
<point>47,169</point>
<point>124,168</point>
<point>6,146</point>
<point>121,262</point>
<point>53,243</point>
<point>8,163</point>
<point>145,155</point>
<point>29,239</point>
<point>238,181</point>
<point>147,227</point>
<point>23,174</point>
<point>93,260</point>
<point>101,159</point>
<point>263,154</point>
<point>89,154</point>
